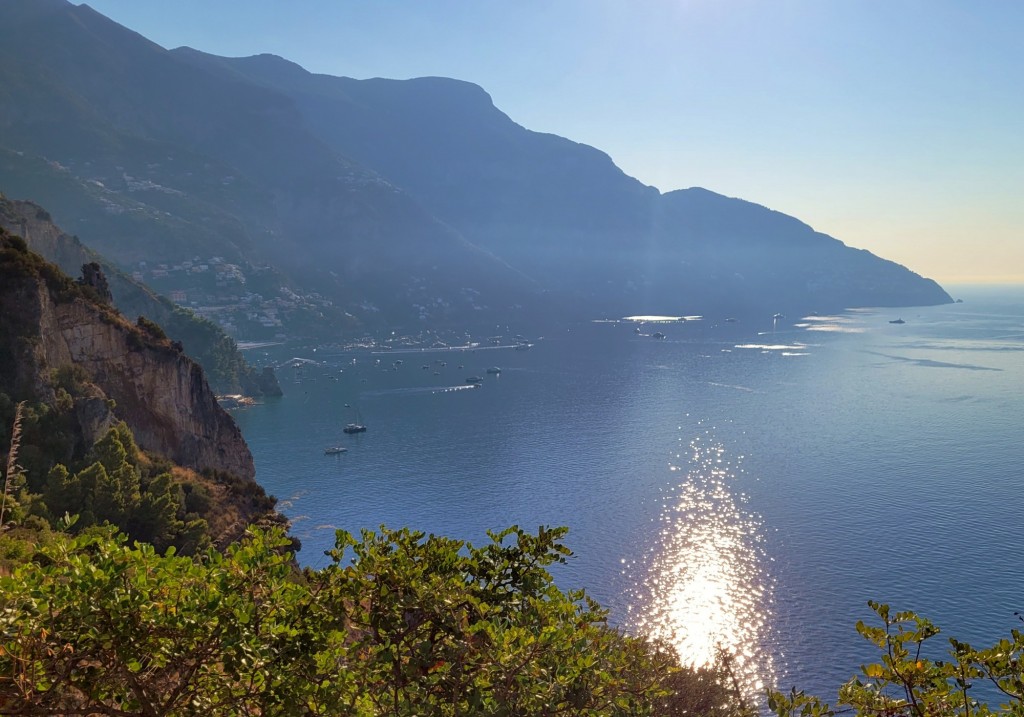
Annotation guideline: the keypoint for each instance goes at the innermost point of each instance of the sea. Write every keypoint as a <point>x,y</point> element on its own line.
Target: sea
<point>741,486</point>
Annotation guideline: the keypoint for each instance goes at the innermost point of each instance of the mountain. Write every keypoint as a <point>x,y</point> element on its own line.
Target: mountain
<point>560,210</point>
<point>377,202</point>
<point>203,340</point>
<point>172,162</point>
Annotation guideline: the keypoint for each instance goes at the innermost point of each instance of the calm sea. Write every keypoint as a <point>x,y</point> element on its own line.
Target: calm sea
<point>746,486</point>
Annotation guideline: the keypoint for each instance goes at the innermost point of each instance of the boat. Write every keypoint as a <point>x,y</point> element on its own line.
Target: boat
<point>356,426</point>
<point>523,347</point>
<point>334,450</point>
<point>474,380</point>
<point>897,321</point>
<point>235,400</point>
<point>658,335</point>
<point>494,369</point>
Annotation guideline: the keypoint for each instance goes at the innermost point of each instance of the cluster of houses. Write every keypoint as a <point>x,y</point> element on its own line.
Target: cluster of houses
<point>216,290</point>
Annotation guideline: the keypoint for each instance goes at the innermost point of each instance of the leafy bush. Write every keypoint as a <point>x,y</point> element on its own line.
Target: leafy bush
<point>399,624</point>
<point>907,683</point>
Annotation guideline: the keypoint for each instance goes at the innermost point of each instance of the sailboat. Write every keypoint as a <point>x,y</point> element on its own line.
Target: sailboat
<point>357,426</point>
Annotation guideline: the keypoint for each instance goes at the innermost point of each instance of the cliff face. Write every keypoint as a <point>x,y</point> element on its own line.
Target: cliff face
<point>159,392</point>
<point>224,365</point>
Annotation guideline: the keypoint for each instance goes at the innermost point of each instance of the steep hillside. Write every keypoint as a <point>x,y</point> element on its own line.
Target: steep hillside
<point>566,214</point>
<point>203,340</point>
<point>148,136</point>
<point>47,322</point>
<point>84,369</point>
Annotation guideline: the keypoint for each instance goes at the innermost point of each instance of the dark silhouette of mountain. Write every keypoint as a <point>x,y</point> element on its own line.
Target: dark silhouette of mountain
<point>404,200</point>
<point>563,211</point>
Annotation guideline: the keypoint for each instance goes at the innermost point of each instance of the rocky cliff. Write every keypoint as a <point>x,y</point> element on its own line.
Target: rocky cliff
<point>225,368</point>
<point>49,323</point>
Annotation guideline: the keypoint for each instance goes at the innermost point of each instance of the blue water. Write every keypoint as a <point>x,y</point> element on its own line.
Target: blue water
<point>740,486</point>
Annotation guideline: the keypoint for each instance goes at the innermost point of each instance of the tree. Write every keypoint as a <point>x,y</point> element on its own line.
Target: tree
<point>906,682</point>
<point>114,489</point>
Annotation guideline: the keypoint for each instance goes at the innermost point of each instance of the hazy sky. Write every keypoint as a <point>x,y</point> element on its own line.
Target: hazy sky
<point>894,125</point>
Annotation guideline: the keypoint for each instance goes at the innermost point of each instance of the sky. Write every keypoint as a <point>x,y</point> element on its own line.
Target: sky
<point>895,126</point>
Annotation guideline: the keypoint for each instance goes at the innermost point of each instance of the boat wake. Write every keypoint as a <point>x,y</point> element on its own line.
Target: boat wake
<point>412,391</point>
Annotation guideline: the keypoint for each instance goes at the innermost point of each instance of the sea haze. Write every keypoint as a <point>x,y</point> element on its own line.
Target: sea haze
<point>744,485</point>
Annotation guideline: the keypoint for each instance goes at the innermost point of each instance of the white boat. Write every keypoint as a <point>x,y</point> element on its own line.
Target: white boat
<point>333,450</point>
<point>494,369</point>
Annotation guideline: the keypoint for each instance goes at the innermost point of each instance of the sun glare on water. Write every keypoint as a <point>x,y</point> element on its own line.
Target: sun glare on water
<point>707,592</point>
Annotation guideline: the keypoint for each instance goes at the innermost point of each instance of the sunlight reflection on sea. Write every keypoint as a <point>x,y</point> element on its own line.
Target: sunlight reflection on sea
<point>707,592</point>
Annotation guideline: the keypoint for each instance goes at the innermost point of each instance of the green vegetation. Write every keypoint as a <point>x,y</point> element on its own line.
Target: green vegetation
<point>225,367</point>
<point>113,601</point>
<point>17,261</point>
<point>115,489</point>
<point>908,683</point>
<point>399,623</point>
<point>111,482</point>
<point>152,328</point>
<point>114,484</point>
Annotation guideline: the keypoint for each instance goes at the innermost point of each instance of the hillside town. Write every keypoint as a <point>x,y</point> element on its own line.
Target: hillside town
<point>244,304</point>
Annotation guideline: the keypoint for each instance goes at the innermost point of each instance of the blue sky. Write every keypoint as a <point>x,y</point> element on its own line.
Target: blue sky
<point>896,126</point>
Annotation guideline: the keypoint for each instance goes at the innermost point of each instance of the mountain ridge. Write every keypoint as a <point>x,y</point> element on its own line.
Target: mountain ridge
<point>408,202</point>
<point>628,213</point>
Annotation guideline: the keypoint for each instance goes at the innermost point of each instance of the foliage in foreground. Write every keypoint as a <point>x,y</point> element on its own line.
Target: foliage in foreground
<point>397,624</point>
<point>906,683</point>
